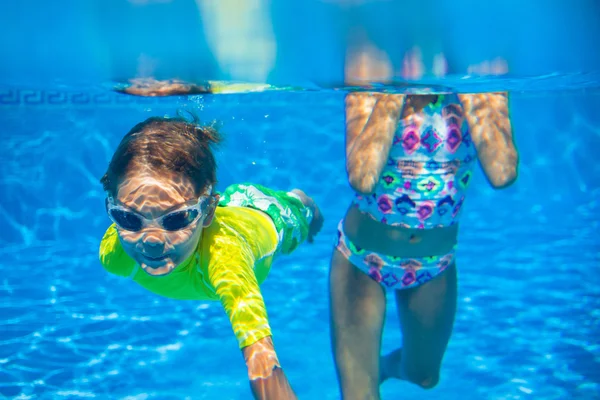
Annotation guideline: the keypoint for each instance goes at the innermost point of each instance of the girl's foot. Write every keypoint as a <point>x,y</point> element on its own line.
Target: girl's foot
<point>390,366</point>
<point>149,87</point>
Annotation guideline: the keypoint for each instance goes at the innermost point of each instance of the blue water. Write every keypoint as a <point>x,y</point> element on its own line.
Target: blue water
<point>528,321</point>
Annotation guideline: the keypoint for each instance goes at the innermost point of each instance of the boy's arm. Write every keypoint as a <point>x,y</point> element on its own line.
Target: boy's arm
<point>232,275</point>
<point>236,286</point>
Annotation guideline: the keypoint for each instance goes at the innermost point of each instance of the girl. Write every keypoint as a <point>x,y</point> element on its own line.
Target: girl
<point>409,160</point>
<point>175,236</point>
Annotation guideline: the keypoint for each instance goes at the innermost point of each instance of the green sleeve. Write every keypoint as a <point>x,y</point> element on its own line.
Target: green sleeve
<point>231,273</point>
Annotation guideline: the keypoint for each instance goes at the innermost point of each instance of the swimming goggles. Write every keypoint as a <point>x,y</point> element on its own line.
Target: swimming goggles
<point>130,220</point>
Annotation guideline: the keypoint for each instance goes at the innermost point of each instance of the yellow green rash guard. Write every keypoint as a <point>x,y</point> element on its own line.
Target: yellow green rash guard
<point>231,260</point>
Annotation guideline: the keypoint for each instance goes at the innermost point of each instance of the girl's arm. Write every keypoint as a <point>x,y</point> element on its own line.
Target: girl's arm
<point>491,131</point>
<point>371,121</point>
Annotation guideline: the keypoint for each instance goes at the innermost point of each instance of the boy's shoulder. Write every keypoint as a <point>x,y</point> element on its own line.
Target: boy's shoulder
<point>112,256</point>
<point>245,223</point>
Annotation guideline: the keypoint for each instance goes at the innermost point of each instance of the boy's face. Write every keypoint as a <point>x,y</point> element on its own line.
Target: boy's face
<point>157,250</point>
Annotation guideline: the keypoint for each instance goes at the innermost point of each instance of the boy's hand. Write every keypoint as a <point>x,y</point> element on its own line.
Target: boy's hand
<point>267,380</point>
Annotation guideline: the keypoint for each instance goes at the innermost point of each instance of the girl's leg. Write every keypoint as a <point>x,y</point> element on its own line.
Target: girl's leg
<point>427,316</point>
<point>357,306</point>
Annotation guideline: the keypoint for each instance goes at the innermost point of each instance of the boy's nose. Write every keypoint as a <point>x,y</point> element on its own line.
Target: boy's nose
<point>153,244</point>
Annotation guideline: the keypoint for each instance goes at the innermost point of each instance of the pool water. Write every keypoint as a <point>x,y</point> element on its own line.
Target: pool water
<point>528,318</point>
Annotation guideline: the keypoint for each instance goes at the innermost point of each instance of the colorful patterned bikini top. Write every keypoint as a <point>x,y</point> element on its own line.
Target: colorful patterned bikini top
<point>429,168</point>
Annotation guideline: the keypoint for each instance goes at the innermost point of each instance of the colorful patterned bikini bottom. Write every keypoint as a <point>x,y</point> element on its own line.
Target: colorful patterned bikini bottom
<point>393,273</point>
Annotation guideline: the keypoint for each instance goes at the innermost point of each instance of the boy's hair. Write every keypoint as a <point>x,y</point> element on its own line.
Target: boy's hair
<point>166,145</point>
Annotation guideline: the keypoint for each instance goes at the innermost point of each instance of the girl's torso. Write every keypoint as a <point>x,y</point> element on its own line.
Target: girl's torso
<point>417,201</point>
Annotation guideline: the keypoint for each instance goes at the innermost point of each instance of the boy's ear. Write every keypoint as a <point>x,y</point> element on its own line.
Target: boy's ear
<point>210,210</point>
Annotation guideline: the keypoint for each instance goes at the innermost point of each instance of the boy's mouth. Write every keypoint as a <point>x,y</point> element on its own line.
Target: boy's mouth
<point>158,268</point>
<point>157,264</point>
<point>155,261</point>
